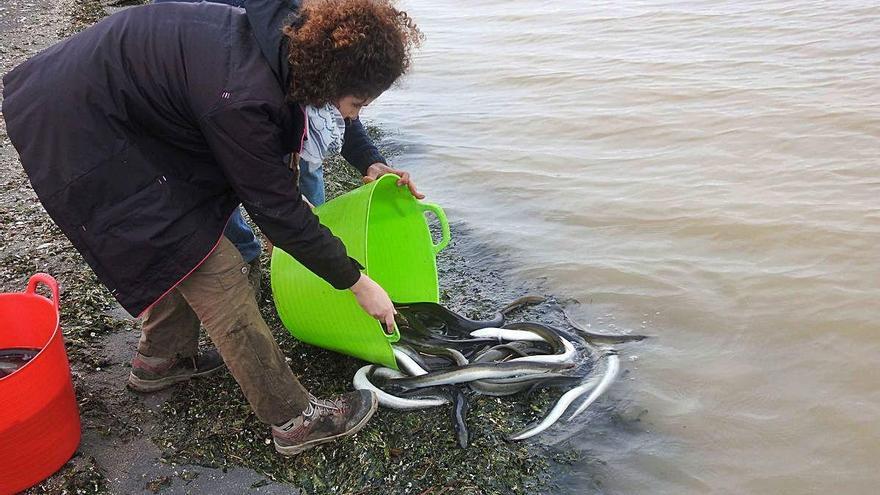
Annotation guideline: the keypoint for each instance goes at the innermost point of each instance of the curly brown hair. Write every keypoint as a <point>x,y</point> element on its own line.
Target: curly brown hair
<point>338,48</point>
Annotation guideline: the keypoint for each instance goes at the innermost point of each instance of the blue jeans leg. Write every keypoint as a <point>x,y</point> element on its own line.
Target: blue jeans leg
<point>240,233</point>
<point>311,181</point>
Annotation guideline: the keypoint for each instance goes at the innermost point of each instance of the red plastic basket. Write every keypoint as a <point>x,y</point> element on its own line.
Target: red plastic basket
<point>39,419</point>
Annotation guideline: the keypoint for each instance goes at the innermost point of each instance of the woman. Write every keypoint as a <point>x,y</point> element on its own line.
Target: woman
<point>142,134</point>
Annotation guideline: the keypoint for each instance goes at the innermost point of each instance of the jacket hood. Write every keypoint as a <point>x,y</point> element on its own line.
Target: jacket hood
<point>266,18</point>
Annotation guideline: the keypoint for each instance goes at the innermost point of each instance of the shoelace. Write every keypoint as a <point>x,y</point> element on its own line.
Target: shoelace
<point>323,407</point>
<point>317,408</point>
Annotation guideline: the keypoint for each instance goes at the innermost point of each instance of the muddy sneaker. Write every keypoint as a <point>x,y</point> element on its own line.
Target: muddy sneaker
<point>324,421</point>
<point>152,374</point>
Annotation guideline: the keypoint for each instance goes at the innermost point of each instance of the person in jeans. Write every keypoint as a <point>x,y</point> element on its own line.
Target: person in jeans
<point>143,134</point>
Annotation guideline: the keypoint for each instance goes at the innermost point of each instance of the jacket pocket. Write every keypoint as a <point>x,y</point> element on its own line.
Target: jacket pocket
<point>235,277</point>
<point>130,238</point>
<point>226,266</point>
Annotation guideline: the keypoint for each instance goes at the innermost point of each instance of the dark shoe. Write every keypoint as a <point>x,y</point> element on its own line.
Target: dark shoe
<point>152,374</point>
<point>324,421</point>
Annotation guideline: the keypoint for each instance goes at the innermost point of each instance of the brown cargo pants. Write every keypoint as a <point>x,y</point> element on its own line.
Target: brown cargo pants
<point>220,294</point>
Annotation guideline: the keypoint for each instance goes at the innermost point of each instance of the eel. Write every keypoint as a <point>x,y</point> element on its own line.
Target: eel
<point>409,360</point>
<point>612,367</point>
<point>588,383</point>
<point>362,381</point>
<point>451,355</point>
<point>563,350</point>
<point>471,372</point>
<point>603,337</point>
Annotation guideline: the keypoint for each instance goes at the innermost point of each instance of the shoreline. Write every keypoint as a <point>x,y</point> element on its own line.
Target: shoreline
<point>201,437</point>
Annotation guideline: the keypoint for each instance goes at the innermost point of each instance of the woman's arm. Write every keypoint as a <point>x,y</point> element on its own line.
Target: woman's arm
<point>358,149</point>
<point>245,139</point>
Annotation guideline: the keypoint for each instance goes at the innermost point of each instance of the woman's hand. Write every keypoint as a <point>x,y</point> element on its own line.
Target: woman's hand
<point>375,301</point>
<point>379,169</point>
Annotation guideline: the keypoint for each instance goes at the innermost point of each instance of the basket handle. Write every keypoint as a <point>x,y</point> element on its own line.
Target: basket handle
<point>394,337</point>
<point>444,225</point>
<point>48,281</point>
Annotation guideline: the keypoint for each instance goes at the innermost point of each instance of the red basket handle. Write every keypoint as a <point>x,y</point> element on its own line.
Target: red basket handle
<point>47,280</point>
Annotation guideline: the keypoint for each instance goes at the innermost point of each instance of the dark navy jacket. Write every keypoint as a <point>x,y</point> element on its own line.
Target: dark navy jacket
<point>142,134</point>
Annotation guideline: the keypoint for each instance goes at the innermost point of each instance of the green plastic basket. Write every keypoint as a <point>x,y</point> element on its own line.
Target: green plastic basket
<point>383,227</point>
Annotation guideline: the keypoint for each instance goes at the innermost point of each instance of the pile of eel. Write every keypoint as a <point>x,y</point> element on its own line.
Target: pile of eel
<point>444,357</point>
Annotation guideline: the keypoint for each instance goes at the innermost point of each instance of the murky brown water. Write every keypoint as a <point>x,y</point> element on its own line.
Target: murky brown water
<point>704,172</point>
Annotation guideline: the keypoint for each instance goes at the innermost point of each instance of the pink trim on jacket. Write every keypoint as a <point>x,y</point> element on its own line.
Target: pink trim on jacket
<point>187,273</point>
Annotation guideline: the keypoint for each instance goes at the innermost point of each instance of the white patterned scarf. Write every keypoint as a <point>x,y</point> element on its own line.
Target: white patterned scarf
<point>324,133</point>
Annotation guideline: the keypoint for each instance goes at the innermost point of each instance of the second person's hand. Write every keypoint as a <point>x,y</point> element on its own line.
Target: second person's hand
<point>379,169</point>
<point>375,301</point>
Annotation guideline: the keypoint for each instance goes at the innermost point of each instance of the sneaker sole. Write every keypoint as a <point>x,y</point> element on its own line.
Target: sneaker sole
<point>296,449</point>
<point>142,385</point>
